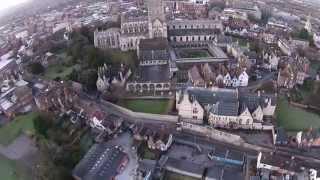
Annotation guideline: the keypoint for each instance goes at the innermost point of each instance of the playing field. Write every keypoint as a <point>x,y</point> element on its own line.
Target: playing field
<point>295,119</point>
<point>146,106</point>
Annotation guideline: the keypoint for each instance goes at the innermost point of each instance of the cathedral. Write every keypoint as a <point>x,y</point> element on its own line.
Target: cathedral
<point>135,25</point>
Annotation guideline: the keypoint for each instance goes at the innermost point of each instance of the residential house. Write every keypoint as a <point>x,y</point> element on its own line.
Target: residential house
<point>195,77</point>
<point>227,108</point>
<point>293,71</point>
<point>16,99</point>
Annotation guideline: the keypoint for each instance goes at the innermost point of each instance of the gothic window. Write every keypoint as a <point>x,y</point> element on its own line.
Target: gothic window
<point>174,27</point>
<point>195,111</point>
<point>180,38</point>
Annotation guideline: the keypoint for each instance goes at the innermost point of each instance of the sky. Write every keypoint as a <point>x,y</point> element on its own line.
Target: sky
<point>4,4</point>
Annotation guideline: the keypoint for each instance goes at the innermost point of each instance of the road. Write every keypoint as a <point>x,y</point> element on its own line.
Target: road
<point>255,85</point>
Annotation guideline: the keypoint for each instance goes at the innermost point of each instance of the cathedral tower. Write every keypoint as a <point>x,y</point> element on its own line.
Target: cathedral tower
<point>156,19</point>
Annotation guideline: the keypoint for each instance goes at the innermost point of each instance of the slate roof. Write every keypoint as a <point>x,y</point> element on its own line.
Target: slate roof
<point>220,172</point>
<point>226,108</point>
<point>229,102</point>
<point>154,44</point>
<point>155,74</point>
<point>253,100</point>
<point>206,96</point>
<point>223,39</point>
<point>281,135</point>
<point>186,32</point>
<point>101,162</point>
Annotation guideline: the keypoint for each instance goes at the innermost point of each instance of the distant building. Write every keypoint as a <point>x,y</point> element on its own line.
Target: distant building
<point>109,38</point>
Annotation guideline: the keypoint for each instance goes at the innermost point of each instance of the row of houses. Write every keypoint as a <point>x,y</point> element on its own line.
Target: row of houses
<point>220,76</point>
<point>227,108</point>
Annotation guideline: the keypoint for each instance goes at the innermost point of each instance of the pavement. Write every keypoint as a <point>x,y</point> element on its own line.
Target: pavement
<point>125,141</point>
<point>21,147</point>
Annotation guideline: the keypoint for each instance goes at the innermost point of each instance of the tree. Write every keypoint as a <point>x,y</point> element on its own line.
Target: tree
<point>36,68</point>
<point>41,125</point>
<point>89,78</point>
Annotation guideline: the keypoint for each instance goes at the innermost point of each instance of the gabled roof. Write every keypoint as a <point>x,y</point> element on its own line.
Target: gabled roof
<point>206,96</point>
<point>154,44</point>
<point>101,162</point>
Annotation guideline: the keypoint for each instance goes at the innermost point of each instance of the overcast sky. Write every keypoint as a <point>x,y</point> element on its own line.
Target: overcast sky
<point>4,4</point>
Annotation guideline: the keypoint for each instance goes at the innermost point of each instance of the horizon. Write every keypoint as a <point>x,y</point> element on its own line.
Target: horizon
<point>5,4</point>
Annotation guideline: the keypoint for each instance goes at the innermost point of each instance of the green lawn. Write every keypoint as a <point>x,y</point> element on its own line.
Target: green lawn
<point>12,170</point>
<point>58,70</point>
<point>194,53</point>
<point>17,126</point>
<point>295,119</point>
<point>147,106</point>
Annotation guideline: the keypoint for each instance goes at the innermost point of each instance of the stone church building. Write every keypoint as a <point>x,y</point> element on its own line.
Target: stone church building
<point>135,25</point>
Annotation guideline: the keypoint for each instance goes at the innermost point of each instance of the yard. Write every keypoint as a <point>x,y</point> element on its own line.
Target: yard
<point>147,106</point>
<point>12,130</point>
<point>12,170</point>
<point>295,119</point>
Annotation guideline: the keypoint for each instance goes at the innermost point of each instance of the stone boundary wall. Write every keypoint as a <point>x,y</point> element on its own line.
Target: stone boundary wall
<point>212,133</point>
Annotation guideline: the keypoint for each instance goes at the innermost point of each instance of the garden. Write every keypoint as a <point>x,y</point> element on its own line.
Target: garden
<point>295,119</point>
<point>147,105</point>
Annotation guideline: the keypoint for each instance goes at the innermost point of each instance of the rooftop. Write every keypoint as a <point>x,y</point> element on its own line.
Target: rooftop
<point>154,44</point>
<point>101,162</point>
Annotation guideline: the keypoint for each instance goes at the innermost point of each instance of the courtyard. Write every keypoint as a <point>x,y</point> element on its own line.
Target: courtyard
<point>193,53</point>
<point>153,106</point>
<point>295,119</point>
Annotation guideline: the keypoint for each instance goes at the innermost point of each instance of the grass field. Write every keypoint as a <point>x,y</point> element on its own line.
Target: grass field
<point>19,125</point>
<point>11,170</point>
<point>146,106</point>
<point>194,53</point>
<point>295,119</point>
